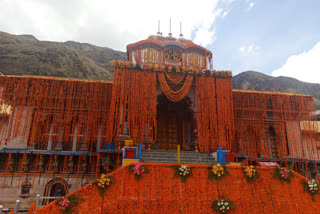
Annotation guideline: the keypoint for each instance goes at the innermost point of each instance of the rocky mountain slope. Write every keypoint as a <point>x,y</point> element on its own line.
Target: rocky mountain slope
<point>25,55</point>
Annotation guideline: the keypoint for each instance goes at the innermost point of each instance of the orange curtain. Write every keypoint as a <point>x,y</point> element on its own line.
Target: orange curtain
<point>134,102</point>
<point>275,125</point>
<point>214,113</point>
<point>41,103</point>
<point>172,95</point>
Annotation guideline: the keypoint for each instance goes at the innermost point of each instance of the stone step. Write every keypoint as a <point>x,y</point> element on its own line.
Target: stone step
<point>160,156</point>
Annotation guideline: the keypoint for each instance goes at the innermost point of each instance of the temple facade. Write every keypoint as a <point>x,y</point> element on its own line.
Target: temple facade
<point>60,134</point>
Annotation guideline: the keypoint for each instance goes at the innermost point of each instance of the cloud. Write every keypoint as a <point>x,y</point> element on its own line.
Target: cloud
<point>109,23</point>
<point>249,49</point>
<point>305,66</point>
<point>250,6</point>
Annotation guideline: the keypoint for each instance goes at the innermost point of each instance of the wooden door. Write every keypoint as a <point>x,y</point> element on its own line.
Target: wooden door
<point>167,133</point>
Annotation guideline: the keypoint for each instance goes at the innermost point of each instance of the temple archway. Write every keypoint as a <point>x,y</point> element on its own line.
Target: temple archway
<point>174,124</point>
<point>55,188</point>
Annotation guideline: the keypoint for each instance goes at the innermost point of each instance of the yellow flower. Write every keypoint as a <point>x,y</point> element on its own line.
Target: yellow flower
<point>108,179</point>
<point>219,174</point>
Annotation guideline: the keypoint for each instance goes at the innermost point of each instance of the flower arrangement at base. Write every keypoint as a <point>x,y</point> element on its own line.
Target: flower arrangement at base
<point>182,171</point>
<point>103,183</point>
<point>250,172</point>
<point>311,187</point>
<point>223,205</point>
<point>283,174</point>
<point>217,171</point>
<point>138,169</point>
<point>66,204</point>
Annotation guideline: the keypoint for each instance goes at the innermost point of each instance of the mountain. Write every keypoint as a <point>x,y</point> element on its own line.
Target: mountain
<point>252,80</point>
<point>25,55</point>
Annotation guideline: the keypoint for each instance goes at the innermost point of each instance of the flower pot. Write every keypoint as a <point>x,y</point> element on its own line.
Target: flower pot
<point>229,157</point>
<point>130,153</point>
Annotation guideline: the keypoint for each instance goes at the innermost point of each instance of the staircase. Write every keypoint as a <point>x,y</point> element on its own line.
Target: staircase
<point>160,156</point>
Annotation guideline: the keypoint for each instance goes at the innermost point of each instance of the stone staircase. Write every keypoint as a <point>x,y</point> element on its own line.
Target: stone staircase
<point>161,156</point>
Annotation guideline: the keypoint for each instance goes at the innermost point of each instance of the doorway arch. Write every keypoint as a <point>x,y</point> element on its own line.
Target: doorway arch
<point>55,188</point>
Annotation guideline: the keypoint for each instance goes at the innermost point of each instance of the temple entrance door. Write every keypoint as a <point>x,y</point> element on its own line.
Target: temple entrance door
<point>174,124</point>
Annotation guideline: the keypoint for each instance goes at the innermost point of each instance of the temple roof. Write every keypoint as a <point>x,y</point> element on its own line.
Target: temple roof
<point>161,41</point>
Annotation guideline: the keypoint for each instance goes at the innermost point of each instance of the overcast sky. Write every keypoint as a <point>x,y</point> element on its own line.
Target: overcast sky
<point>276,37</point>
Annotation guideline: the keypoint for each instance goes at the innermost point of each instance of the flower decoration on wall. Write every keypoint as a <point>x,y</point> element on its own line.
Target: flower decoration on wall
<point>66,204</point>
<point>217,171</point>
<point>171,69</point>
<point>223,205</point>
<point>103,183</point>
<point>283,174</point>
<point>251,172</point>
<point>311,187</point>
<point>138,170</point>
<point>182,171</point>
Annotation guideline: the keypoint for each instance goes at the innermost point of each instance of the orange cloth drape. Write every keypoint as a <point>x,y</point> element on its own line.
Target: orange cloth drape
<point>134,102</point>
<point>214,113</point>
<point>172,95</point>
<point>275,125</point>
<point>160,192</point>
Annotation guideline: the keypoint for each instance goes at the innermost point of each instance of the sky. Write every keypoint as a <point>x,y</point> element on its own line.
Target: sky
<point>275,37</point>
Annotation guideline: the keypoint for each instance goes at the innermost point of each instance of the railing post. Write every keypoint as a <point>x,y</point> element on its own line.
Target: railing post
<point>139,152</point>
<point>178,153</point>
<point>37,201</point>
<point>0,209</point>
<point>16,207</point>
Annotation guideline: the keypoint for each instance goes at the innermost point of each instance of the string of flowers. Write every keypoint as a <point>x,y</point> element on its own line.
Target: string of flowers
<point>138,169</point>
<point>182,171</point>
<point>66,204</point>
<point>283,174</point>
<point>311,187</point>
<point>251,172</point>
<point>223,205</point>
<point>217,171</point>
<point>103,183</point>
<point>171,69</point>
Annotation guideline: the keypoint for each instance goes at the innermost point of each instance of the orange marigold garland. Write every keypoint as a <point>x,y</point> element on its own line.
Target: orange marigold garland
<point>138,169</point>
<point>223,205</point>
<point>283,174</point>
<point>311,187</point>
<point>251,172</point>
<point>103,183</point>
<point>182,172</point>
<point>217,171</point>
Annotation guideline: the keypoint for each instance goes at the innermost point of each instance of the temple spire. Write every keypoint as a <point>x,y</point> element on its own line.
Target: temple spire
<point>170,34</point>
<point>181,35</point>
<point>159,33</point>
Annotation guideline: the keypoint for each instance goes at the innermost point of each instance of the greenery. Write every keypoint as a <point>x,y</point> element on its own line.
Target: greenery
<point>251,173</point>
<point>143,170</point>
<point>223,205</point>
<point>287,178</point>
<point>179,174</point>
<point>307,188</point>
<point>74,200</point>
<point>217,171</point>
<point>103,183</point>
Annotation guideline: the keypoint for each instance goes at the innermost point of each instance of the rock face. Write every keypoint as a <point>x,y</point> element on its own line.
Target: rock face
<point>25,55</point>
<point>251,80</point>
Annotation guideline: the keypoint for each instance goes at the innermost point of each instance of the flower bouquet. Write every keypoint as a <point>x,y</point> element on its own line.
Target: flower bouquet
<point>223,205</point>
<point>251,172</point>
<point>103,183</point>
<point>66,204</point>
<point>283,174</point>
<point>312,187</point>
<point>217,171</point>
<point>182,171</point>
<point>138,169</point>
